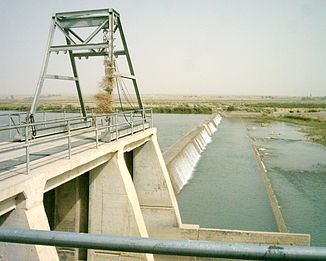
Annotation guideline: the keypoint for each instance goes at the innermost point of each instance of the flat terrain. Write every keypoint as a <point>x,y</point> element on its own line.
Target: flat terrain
<point>260,104</point>
<point>310,112</point>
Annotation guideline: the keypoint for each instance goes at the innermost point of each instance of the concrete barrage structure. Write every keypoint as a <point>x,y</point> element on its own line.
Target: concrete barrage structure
<point>182,157</point>
<point>122,188</point>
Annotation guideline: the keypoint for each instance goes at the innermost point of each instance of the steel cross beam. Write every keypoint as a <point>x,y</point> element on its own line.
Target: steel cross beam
<point>104,20</point>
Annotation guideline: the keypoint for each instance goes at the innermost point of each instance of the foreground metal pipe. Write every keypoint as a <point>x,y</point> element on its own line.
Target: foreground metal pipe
<point>162,246</point>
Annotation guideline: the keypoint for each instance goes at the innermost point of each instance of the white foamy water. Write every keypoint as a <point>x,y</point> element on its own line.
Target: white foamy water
<point>185,161</point>
<point>206,137</point>
<point>217,119</point>
<point>212,127</point>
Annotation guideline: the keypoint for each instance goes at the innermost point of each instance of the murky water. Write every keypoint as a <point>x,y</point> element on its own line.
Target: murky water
<point>173,126</point>
<point>297,170</point>
<point>227,190</point>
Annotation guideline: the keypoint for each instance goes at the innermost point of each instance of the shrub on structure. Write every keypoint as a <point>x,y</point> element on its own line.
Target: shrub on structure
<point>104,97</point>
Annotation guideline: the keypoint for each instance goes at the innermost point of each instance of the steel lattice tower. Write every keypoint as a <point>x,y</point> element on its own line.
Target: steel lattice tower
<point>106,21</point>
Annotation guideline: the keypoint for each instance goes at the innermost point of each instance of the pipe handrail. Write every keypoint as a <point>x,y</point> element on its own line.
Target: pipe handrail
<point>72,128</point>
<point>246,251</point>
<point>76,133</point>
<point>3,128</point>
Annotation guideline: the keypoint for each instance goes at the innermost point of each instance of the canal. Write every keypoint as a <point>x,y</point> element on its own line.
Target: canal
<point>226,189</point>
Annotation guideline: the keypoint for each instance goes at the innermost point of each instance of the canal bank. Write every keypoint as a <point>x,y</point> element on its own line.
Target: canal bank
<point>270,192</point>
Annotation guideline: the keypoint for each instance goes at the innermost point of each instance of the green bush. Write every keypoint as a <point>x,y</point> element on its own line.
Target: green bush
<point>299,117</point>
<point>183,109</point>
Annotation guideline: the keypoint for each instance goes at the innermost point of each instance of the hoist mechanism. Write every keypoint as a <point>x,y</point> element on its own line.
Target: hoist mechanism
<point>71,24</point>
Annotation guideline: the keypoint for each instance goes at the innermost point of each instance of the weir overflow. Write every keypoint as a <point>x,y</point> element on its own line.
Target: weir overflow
<point>182,157</point>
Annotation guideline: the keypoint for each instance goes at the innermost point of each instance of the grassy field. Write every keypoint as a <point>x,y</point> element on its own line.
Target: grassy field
<point>308,112</point>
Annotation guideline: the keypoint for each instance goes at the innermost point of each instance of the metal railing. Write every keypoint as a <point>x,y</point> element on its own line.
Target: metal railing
<point>17,118</point>
<point>163,246</point>
<point>114,125</point>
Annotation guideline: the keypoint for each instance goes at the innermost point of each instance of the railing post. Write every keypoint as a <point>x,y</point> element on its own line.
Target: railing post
<point>69,140</point>
<point>131,124</point>
<point>96,132</point>
<point>64,113</point>
<point>110,129</point>
<point>44,118</point>
<point>152,124</point>
<point>116,126</point>
<point>19,122</point>
<point>9,124</point>
<point>143,118</point>
<point>27,150</point>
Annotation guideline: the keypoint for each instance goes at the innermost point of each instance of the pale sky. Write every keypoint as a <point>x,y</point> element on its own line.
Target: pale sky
<point>215,47</point>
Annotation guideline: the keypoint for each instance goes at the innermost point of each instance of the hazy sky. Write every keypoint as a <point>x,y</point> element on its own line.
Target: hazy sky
<point>274,47</point>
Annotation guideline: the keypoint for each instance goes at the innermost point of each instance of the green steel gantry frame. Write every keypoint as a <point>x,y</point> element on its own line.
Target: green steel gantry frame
<point>106,21</point>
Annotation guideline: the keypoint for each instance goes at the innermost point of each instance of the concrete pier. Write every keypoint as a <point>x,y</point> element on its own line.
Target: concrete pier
<point>122,188</point>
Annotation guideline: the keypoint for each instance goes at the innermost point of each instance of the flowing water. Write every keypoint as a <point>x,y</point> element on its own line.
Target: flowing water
<point>226,190</point>
<point>183,156</point>
<point>297,170</point>
<point>173,126</point>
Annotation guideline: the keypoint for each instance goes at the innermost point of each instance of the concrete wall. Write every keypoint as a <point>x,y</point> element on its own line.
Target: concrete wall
<point>270,192</point>
<point>71,213</point>
<point>29,213</point>
<point>154,188</point>
<point>21,198</point>
<point>114,207</point>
